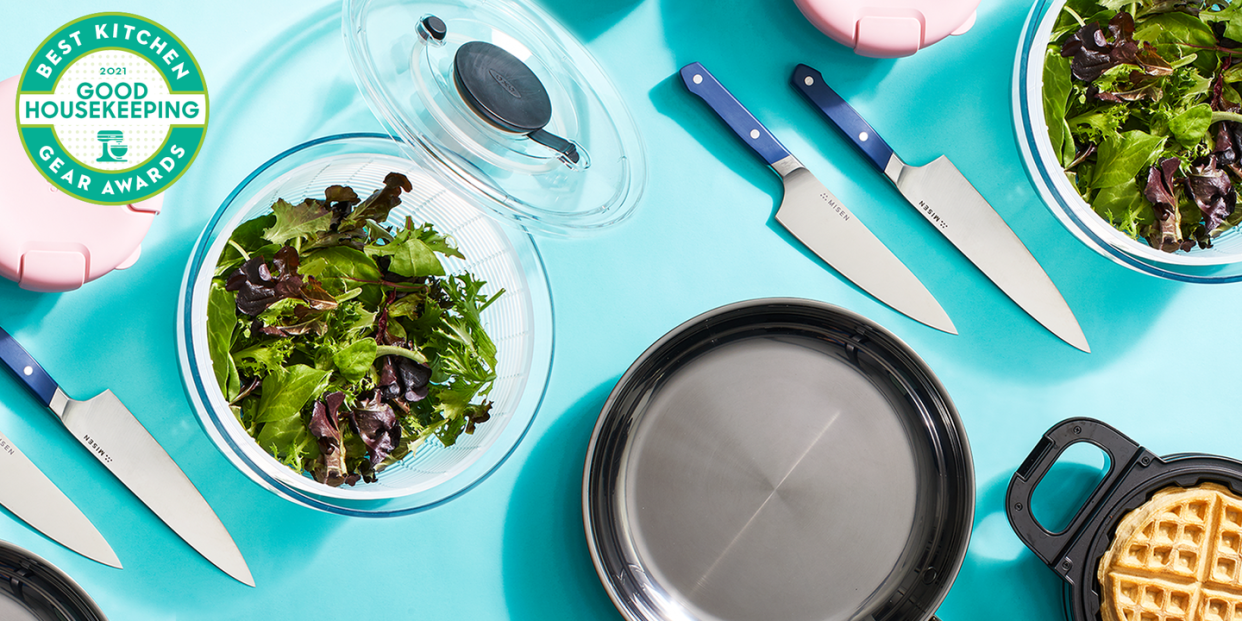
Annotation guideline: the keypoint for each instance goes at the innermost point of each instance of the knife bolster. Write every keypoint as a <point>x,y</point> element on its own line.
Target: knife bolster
<point>894,168</point>
<point>58,403</point>
<point>786,165</point>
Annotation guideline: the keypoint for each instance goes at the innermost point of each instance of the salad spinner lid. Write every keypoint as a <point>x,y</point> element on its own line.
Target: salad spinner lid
<point>50,241</point>
<point>889,28</point>
<point>503,104</point>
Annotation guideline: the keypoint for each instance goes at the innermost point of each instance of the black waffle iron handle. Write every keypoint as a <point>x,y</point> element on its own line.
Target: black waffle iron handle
<point>1049,546</point>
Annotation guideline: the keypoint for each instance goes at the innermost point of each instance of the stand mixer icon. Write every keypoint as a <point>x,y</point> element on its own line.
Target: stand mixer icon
<point>113,150</point>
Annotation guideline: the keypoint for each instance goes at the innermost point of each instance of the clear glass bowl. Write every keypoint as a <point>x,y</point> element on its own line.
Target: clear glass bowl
<point>520,323</point>
<point>1222,263</point>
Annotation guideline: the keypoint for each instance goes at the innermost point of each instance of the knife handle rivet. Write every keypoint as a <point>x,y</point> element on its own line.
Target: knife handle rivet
<point>863,137</point>
<point>698,79</point>
<point>754,134</point>
<point>809,80</point>
<point>28,370</point>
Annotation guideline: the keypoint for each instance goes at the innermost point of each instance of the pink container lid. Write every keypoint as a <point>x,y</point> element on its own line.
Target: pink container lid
<point>50,241</point>
<point>889,28</point>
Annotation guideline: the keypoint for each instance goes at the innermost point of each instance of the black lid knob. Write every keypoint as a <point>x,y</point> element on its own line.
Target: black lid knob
<point>435,27</point>
<point>500,88</point>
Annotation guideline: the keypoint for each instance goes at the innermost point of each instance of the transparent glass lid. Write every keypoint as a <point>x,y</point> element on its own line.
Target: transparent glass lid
<point>503,103</point>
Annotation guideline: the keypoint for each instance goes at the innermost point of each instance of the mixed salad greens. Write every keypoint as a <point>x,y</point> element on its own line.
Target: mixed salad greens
<point>340,343</point>
<point>1144,113</point>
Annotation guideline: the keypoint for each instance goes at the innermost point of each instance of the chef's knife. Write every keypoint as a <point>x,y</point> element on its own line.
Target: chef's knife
<point>951,204</point>
<point>30,495</point>
<point>106,428</point>
<point>818,219</point>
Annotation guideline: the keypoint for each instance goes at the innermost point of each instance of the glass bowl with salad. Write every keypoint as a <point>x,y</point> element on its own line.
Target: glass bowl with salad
<point>359,339</point>
<point>1129,119</point>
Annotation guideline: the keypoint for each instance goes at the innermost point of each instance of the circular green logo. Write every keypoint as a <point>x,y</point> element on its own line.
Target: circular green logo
<point>112,108</point>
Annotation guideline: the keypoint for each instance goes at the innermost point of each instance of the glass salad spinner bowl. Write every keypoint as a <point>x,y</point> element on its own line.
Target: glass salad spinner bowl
<point>1222,263</point>
<point>519,322</point>
<point>507,127</point>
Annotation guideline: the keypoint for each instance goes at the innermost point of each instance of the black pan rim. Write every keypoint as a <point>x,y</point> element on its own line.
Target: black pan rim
<point>952,446</point>
<point>17,563</point>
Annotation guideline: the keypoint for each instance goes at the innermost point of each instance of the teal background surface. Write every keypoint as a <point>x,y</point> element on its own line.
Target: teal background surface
<point>1163,367</point>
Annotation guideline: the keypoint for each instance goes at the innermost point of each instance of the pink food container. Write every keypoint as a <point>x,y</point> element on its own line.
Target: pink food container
<point>889,28</point>
<point>50,241</point>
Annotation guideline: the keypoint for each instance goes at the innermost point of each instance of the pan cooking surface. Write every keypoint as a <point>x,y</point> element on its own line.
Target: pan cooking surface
<point>788,479</point>
<point>777,467</point>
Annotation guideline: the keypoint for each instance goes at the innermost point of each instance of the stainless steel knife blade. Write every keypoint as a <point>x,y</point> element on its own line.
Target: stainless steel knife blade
<point>952,204</point>
<point>107,429</point>
<point>815,216</point>
<point>28,494</point>
<point>111,433</point>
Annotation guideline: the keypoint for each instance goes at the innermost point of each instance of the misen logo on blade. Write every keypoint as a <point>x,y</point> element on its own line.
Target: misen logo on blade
<point>98,449</point>
<point>836,206</point>
<point>933,216</point>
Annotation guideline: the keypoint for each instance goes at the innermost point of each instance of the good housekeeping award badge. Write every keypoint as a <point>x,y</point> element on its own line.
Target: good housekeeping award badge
<point>112,108</point>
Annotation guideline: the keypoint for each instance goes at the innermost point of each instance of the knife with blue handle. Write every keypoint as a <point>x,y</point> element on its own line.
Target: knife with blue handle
<point>812,214</point>
<point>955,208</point>
<point>107,429</point>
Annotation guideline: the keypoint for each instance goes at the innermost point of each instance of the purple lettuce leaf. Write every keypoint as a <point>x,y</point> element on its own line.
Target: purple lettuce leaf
<point>383,200</point>
<point>1096,49</point>
<point>325,428</point>
<point>375,423</point>
<point>404,379</point>
<point>1161,190</point>
<point>1212,192</point>
<point>259,286</point>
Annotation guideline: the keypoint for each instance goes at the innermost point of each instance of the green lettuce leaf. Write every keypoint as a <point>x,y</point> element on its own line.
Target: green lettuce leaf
<point>286,390</point>
<point>1231,15</point>
<point>354,361</point>
<point>411,256</point>
<point>304,218</point>
<point>221,324</point>
<point>1191,126</point>
<point>1121,157</point>
<point>1057,87</point>
<point>1125,207</point>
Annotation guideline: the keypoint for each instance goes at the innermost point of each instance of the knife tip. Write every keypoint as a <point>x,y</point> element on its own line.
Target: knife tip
<point>238,571</point>
<point>942,323</point>
<point>107,557</point>
<point>1070,332</point>
<point>242,575</point>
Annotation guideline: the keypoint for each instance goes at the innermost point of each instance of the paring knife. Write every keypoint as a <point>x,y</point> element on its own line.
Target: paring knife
<point>955,208</point>
<point>30,495</point>
<point>818,219</point>
<point>106,428</point>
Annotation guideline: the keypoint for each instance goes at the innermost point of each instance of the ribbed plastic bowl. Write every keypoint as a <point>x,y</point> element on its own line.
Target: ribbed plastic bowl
<point>520,323</point>
<point>1222,263</point>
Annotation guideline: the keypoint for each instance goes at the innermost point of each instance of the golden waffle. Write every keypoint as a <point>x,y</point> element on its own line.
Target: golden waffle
<point>1178,557</point>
